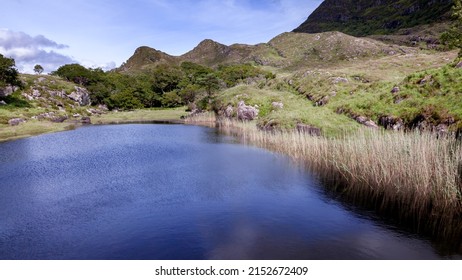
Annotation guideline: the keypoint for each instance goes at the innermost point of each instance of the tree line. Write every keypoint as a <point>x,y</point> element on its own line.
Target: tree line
<point>161,86</point>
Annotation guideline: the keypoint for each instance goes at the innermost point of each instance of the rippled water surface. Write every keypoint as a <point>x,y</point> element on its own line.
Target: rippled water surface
<point>175,192</point>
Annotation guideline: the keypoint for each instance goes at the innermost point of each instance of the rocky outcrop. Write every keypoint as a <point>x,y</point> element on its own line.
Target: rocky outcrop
<point>392,123</point>
<point>16,121</point>
<point>382,16</point>
<point>246,112</point>
<point>7,90</point>
<point>80,95</point>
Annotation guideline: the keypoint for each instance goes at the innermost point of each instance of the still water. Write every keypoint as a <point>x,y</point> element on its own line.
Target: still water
<point>175,192</point>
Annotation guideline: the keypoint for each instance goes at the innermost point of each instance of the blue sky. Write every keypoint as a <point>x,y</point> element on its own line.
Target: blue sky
<point>105,33</point>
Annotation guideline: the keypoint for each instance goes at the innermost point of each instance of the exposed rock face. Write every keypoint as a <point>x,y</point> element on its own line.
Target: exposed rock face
<point>382,16</point>
<point>366,121</point>
<point>80,95</point>
<point>7,90</point>
<point>390,122</point>
<point>229,111</point>
<point>308,129</point>
<point>16,121</point>
<point>245,112</point>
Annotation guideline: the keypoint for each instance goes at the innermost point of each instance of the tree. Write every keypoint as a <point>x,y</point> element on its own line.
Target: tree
<point>453,37</point>
<point>38,69</point>
<point>75,73</point>
<point>9,76</point>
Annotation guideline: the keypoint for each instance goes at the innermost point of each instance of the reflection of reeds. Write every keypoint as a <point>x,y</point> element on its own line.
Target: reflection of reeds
<point>206,118</point>
<point>414,176</point>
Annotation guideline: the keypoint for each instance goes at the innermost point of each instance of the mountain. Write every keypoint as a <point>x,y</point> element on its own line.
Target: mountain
<point>287,50</point>
<point>367,17</point>
<point>145,57</point>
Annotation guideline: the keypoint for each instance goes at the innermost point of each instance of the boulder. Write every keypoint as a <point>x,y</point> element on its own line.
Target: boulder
<point>277,105</point>
<point>58,119</point>
<point>81,96</point>
<point>16,121</point>
<point>426,80</point>
<point>338,80</point>
<point>246,112</point>
<point>323,101</point>
<point>366,122</point>
<point>392,123</point>
<point>395,90</point>
<point>229,111</point>
<point>2,103</point>
<point>86,120</point>
<point>459,65</point>
<point>7,90</point>
<point>308,129</point>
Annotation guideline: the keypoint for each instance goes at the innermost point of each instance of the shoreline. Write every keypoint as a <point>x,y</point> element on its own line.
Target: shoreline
<point>34,127</point>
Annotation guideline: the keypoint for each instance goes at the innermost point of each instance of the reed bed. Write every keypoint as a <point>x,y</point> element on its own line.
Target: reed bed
<point>415,177</point>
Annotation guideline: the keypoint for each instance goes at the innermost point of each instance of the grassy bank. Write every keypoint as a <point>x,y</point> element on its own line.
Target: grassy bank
<point>35,127</point>
<point>414,178</point>
<point>142,115</point>
<point>31,128</point>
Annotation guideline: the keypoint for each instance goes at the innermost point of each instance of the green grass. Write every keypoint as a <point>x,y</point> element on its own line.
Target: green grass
<point>297,109</point>
<point>142,115</point>
<point>31,128</point>
<point>438,99</point>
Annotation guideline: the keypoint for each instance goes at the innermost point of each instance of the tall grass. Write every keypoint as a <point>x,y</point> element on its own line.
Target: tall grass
<point>414,177</point>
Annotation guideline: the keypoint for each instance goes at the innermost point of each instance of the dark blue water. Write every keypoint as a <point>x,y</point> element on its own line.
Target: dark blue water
<point>175,192</point>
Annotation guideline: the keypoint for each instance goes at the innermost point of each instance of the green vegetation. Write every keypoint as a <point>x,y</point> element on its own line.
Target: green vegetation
<point>8,73</point>
<point>361,17</point>
<point>38,69</point>
<point>159,86</point>
<point>453,37</point>
<point>143,115</point>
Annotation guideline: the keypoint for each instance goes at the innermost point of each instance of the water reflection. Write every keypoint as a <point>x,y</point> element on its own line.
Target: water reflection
<point>175,192</point>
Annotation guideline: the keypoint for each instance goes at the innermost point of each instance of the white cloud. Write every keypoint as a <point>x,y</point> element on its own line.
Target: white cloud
<point>28,51</point>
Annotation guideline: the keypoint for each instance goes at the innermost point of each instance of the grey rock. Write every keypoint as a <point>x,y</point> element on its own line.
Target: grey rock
<point>395,89</point>
<point>2,103</point>
<point>229,111</point>
<point>366,122</point>
<point>338,80</point>
<point>392,123</point>
<point>7,90</point>
<point>58,119</point>
<point>323,101</point>
<point>245,112</point>
<point>16,121</point>
<point>81,96</point>
<point>459,65</point>
<point>86,120</point>
<point>277,105</point>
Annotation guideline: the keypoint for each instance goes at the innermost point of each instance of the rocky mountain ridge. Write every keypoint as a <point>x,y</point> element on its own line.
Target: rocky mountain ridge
<point>285,50</point>
<point>365,17</point>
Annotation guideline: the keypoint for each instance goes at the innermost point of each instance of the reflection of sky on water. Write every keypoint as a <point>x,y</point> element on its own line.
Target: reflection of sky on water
<point>174,192</point>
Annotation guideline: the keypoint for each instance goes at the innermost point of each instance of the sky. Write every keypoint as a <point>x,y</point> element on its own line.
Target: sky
<point>105,33</point>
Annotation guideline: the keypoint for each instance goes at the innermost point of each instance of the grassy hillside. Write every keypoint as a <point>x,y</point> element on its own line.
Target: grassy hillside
<point>364,17</point>
<point>288,50</point>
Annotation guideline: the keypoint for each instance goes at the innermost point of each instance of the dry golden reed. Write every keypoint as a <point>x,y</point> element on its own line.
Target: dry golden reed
<point>416,177</point>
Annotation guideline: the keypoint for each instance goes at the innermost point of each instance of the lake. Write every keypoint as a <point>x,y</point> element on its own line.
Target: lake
<point>153,191</point>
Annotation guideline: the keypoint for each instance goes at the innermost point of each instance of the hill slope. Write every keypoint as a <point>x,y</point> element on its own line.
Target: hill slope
<point>365,17</point>
<point>288,50</point>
